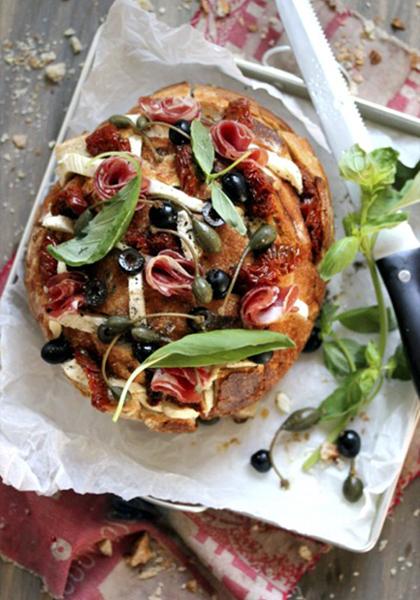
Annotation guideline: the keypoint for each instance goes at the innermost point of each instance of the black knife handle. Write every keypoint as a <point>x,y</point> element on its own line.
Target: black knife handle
<point>401,275</point>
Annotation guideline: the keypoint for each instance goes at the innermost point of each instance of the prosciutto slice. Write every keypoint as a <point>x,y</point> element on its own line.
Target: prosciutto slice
<point>186,385</point>
<point>65,293</point>
<point>266,304</point>
<point>170,273</point>
<point>170,110</point>
<point>231,138</point>
<point>111,176</point>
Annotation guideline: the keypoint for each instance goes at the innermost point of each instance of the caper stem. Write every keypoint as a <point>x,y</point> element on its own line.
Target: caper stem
<point>149,144</point>
<point>198,318</point>
<point>187,241</point>
<point>284,483</point>
<point>234,278</point>
<point>106,356</point>
<point>214,176</point>
<point>168,125</point>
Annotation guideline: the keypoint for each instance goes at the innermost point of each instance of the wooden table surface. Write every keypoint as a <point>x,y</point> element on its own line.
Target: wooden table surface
<point>32,107</point>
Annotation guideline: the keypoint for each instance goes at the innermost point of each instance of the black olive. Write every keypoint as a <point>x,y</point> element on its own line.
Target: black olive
<point>235,186</point>
<point>263,358</point>
<point>219,281</point>
<point>208,421</point>
<point>131,261</point>
<point>202,290</point>
<point>177,138</point>
<point>261,462</point>
<point>56,351</point>
<point>263,238</point>
<point>302,419</point>
<point>206,323</point>
<point>348,444</point>
<point>314,340</point>
<point>210,216</point>
<point>353,488</point>
<point>164,215</point>
<point>95,293</point>
<point>142,350</point>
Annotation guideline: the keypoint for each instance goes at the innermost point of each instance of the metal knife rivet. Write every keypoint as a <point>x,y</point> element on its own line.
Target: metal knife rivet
<point>404,275</point>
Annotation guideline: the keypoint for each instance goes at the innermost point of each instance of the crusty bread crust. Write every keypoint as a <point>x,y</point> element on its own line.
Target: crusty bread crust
<point>236,390</point>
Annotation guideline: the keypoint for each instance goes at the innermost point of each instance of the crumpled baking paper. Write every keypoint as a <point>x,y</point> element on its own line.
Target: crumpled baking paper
<point>52,439</point>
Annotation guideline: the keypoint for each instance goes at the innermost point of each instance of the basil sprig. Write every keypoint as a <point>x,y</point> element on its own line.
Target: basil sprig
<point>105,230</point>
<point>387,186</point>
<point>202,146</point>
<point>225,208</point>
<point>211,348</point>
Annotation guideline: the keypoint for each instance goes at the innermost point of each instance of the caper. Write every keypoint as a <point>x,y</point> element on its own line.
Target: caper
<point>353,488</point>
<point>206,237</point>
<point>213,421</point>
<point>302,419</point>
<point>120,121</point>
<point>112,327</point>
<point>82,222</point>
<point>145,334</point>
<point>202,290</point>
<point>263,238</point>
<point>141,122</point>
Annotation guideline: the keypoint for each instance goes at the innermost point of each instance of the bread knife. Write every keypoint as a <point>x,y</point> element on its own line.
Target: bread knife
<point>397,250</point>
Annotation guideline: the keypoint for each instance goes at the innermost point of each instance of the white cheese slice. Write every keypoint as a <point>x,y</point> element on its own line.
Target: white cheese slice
<point>58,223</point>
<point>184,226</point>
<point>79,164</point>
<point>75,372</point>
<point>158,188</point>
<point>303,308</point>
<point>55,328</point>
<point>61,267</point>
<point>242,364</point>
<point>86,323</point>
<point>208,400</point>
<point>175,412</point>
<point>284,168</point>
<point>136,144</point>
<point>136,304</point>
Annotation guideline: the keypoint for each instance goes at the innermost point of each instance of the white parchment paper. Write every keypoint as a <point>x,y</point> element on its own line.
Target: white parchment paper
<point>52,439</point>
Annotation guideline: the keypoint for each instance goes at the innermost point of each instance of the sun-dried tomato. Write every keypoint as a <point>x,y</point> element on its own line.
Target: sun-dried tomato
<point>70,200</point>
<point>96,383</point>
<point>148,243</point>
<point>106,138</point>
<point>187,172</point>
<point>263,193</point>
<point>239,110</point>
<point>311,208</point>
<point>270,266</point>
<point>47,264</point>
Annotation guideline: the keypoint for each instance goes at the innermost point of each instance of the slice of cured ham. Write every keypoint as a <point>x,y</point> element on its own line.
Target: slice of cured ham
<point>65,292</point>
<point>170,273</point>
<point>186,385</point>
<point>111,176</point>
<point>266,304</point>
<point>170,110</point>
<point>231,138</point>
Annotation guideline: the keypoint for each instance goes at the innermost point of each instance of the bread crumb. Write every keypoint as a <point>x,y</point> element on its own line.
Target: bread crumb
<point>382,545</point>
<point>416,513</point>
<point>375,57</point>
<point>20,140</point>
<point>192,586</point>
<point>47,58</point>
<point>329,451</point>
<point>55,72</point>
<point>105,547</point>
<point>393,571</point>
<point>69,32</point>
<point>305,553</point>
<point>146,5</point>
<point>75,44</point>
<point>397,24</point>
<point>223,8</point>
<point>142,551</point>
<point>150,572</point>
<point>283,402</point>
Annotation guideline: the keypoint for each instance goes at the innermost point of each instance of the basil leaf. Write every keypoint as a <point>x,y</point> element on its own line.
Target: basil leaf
<point>327,317</point>
<point>372,355</point>
<point>202,146</point>
<point>345,399</point>
<point>351,223</point>
<point>410,194</point>
<point>384,222</point>
<point>372,171</point>
<point>384,202</point>
<point>365,319</point>
<point>397,366</point>
<point>404,174</point>
<point>336,361</point>
<point>339,256</point>
<point>103,231</point>
<point>225,208</point>
<point>216,348</point>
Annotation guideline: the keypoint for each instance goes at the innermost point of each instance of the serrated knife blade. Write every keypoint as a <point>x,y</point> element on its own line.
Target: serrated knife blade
<point>398,262</point>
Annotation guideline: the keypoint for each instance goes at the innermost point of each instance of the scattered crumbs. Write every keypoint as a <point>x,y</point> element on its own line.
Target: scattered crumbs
<point>47,58</point>
<point>51,143</point>
<point>192,586</point>
<point>329,451</point>
<point>416,513</point>
<point>20,140</point>
<point>157,594</point>
<point>283,402</point>
<point>150,572</point>
<point>7,157</point>
<point>375,57</point>
<point>252,27</point>
<point>4,138</point>
<point>356,574</point>
<point>69,32</point>
<point>397,24</point>
<point>401,559</point>
<point>20,174</point>
<point>305,553</point>
<point>332,595</point>
<point>357,78</point>
<point>162,10</point>
<point>393,571</point>
<point>142,552</point>
<point>105,547</point>
<point>55,72</point>
<point>409,564</point>
<point>75,44</point>
<point>353,589</point>
<point>382,545</point>
<point>264,412</point>
<point>228,443</point>
<point>146,5</point>
<point>341,577</point>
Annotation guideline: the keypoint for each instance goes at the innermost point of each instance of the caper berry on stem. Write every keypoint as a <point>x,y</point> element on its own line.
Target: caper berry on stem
<point>353,486</point>
<point>206,237</point>
<point>120,121</point>
<point>302,419</point>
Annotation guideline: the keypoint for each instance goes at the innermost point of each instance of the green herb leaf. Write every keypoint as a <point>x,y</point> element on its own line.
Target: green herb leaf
<point>351,223</point>
<point>372,171</point>
<point>103,231</point>
<point>383,203</point>
<point>397,366</point>
<point>404,174</point>
<point>387,221</point>
<point>202,146</point>
<point>211,348</point>
<point>364,319</point>
<point>225,208</point>
<point>344,400</point>
<point>327,317</point>
<point>335,359</point>
<point>410,194</point>
<point>372,355</point>
<point>339,256</point>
